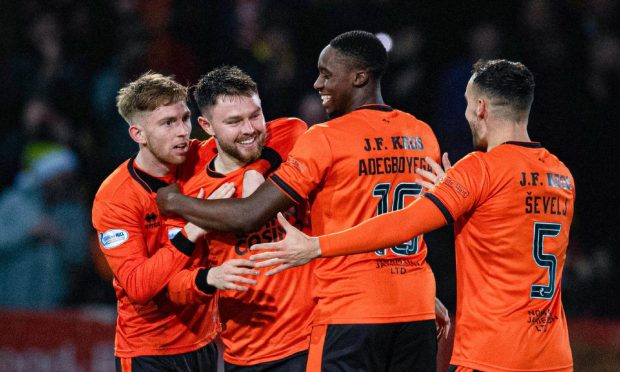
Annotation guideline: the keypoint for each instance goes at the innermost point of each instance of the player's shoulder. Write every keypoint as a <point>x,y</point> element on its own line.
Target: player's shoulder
<point>475,160</point>
<point>287,124</point>
<point>411,119</point>
<point>120,185</point>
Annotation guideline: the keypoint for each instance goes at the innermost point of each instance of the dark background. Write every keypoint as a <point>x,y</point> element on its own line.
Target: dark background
<point>63,62</point>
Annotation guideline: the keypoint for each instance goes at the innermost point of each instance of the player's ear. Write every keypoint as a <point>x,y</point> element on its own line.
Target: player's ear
<point>205,124</point>
<point>481,108</point>
<point>136,133</point>
<point>360,79</point>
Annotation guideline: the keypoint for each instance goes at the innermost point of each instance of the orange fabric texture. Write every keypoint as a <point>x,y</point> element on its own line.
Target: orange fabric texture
<point>419,217</point>
<point>315,353</point>
<point>350,169</point>
<point>272,320</point>
<point>512,208</point>
<point>135,243</point>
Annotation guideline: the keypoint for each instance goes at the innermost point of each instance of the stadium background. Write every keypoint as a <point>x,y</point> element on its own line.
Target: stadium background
<point>63,61</point>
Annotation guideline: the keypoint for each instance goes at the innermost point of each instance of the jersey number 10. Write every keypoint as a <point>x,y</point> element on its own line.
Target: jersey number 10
<point>401,191</point>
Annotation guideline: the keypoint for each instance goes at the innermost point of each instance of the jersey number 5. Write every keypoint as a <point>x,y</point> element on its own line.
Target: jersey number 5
<point>542,259</point>
<point>401,191</point>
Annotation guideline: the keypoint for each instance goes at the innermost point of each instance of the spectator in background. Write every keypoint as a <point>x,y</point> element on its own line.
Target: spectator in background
<point>42,245</point>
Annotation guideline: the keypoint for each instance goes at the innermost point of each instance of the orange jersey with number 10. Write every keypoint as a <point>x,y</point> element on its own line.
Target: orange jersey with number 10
<point>352,168</point>
<point>513,208</point>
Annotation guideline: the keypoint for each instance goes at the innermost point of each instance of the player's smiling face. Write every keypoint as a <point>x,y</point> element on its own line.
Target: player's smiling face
<point>238,125</point>
<point>335,82</point>
<point>164,132</point>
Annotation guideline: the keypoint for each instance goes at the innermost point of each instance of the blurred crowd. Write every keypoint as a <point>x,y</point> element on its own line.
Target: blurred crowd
<point>63,62</point>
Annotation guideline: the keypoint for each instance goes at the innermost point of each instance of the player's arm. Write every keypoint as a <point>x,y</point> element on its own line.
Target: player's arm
<point>123,244</point>
<point>198,284</point>
<point>191,286</point>
<point>229,215</point>
<point>390,229</point>
<point>297,248</point>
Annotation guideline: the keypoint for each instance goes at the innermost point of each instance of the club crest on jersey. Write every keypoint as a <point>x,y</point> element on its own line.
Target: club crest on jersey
<point>173,232</point>
<point>113,238</point>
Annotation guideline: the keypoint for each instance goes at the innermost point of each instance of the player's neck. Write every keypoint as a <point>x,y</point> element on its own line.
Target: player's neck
<point>370,96</point>
<point>224,164</point>
<point>507,132</point>
<point>147,162</point>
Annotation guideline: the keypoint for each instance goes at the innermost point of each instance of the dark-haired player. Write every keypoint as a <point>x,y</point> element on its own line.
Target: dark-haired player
<point>265,327</point>
<point>152,332</point>
<point>375,311</point>
<point>512,206</point>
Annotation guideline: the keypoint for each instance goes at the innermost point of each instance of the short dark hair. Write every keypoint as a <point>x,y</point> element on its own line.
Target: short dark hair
<point>222,81</point>
<point>364,48</point>
<point>510,83</point>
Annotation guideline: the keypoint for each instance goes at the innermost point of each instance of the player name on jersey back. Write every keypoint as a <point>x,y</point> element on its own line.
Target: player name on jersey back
<point>391,164</point>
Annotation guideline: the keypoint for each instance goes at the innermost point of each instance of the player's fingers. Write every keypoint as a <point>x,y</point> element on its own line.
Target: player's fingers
<point>228,192</point>
<point>241,262</point>
<point>269,262</point>
<point>243,271</point>
<point>265,246</point>
<point>446,161</point>
<point>423,183</point>
<point>261,256</point>
<point>236,287</point>
<point>241,279</point>
<point>426,174</point>
<point>278,269</point>
<point>287,226</point>
<point>436,167</point>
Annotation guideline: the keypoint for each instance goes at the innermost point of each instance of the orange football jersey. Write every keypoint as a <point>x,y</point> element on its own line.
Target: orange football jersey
<point>512,209</point>
<point>350,169</point>
<point>133,239</point>
<point>272,319</point>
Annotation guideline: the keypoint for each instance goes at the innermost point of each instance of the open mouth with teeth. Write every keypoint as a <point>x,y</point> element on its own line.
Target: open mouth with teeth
<point>325,98</point>
<point>247,141</point>
<point>181,147</point>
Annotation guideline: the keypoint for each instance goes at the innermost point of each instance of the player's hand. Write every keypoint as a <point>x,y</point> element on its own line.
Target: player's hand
<point>225,191</point>
<point>442,320</point>
<point>251,180</point>
<point>229,275</point>
<point>295,249</point>
<point>165,196</point>
<point>194,231</point>
<point>433,178</point>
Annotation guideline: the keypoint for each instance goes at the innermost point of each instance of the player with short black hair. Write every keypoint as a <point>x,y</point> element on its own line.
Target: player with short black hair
<point>374,311</point>
<point>512,207</point>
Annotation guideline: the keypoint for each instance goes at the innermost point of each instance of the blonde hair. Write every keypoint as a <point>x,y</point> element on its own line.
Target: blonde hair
<point>148,92</point>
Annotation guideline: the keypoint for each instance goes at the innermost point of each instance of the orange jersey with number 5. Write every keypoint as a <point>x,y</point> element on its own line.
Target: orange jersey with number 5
<point>513,208</point>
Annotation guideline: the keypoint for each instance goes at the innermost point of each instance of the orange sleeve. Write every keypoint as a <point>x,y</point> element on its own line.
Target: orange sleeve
<point>421,216</point>
<point>190,286</point>
<point>123,244</point>
<point>463,186</point>
<point>305,167</point>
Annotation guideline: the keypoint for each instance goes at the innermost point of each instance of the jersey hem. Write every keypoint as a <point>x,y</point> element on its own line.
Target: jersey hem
<point>166,351</point>
<point>376,320</point>
<point>269,358</point>
<point>485,367</point>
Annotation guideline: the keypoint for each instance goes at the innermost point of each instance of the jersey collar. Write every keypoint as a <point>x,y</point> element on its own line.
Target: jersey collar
<point>376,106</point>
<point>148,182</point>
<point>533,145</point>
